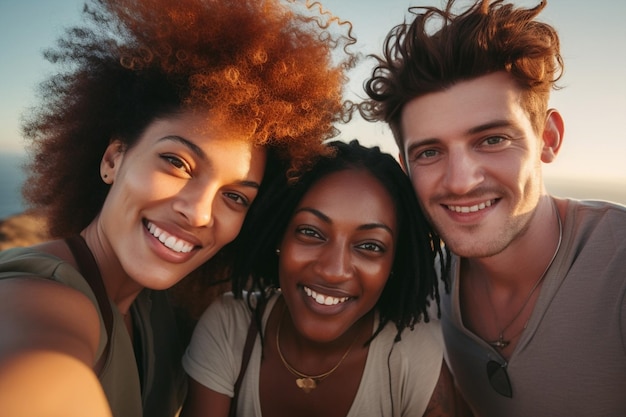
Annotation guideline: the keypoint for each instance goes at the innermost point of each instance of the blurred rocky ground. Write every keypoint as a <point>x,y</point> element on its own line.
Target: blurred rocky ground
<point>22,229</point>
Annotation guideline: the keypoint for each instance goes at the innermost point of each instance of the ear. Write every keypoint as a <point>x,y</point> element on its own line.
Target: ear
<point>552,136</point>
<point>111,161</point>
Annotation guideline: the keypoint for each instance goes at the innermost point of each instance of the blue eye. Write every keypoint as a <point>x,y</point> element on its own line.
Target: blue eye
<point>494,140</point>
<point>429,153</point>
<point>425,156</point>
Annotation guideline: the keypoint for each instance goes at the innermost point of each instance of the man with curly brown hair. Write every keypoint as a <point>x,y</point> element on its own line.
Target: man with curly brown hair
<point>535,320</point>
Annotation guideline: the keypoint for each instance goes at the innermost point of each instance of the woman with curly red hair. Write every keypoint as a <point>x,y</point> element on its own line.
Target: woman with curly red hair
<point>149,146</point>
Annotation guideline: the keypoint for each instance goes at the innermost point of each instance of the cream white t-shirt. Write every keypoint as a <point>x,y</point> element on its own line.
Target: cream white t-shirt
<point>401,388</point>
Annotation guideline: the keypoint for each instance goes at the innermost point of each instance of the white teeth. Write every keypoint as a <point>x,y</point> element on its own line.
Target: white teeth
<point>471,209</point>
<point>324,299</point>
<point>169,241</point>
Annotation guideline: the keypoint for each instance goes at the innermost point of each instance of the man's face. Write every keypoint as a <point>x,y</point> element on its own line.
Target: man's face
<point>475,163</point>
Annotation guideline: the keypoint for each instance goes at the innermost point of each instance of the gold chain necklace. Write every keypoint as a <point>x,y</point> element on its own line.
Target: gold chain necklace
<point>501,342</point>
<point>306,382</point>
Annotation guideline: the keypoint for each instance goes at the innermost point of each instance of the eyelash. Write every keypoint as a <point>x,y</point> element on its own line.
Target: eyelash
<point>377,247</point>
<point>368,246</point>
<point>177,163</point>
<point>422,155</point>
<point>499,141</point>
<point>238,199</point>
<point>180,165</point>
<point>309,232</point>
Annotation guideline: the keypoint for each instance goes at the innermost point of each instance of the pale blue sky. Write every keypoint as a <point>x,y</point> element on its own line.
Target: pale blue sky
<point>593,102</point>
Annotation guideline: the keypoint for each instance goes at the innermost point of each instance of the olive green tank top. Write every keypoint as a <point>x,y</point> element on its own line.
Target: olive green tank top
<point>142,380</point>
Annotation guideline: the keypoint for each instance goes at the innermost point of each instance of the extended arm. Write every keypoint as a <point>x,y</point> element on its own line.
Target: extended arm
<point>50,335</point>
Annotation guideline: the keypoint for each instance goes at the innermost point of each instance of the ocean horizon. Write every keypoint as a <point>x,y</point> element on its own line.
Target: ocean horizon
<point>12,177</point>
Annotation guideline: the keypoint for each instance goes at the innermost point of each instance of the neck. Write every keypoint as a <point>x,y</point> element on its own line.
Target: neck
<point>510,269</point>
<point>121,290</point>
<point>498,295</point>
<point>303,347</point>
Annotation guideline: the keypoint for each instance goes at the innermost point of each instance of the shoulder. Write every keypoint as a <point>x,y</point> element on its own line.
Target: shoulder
<point>225,319</point>
<point>229,312</point>
<point>590,219</point>
<point>424,340</point>
<point>595,210</point>
<point>33,262</point>
<point>30,260</point>
<point>416,352</point>
<point>51,260</point>
<point>406,370</point>
<point>226,308</point>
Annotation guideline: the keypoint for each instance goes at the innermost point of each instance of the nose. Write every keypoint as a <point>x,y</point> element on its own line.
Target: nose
<point>463,172</point>
<point>196,205</point>
<point>334,263</point>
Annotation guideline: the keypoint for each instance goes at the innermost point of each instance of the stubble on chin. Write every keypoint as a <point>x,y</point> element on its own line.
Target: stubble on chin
<point>474,242</point>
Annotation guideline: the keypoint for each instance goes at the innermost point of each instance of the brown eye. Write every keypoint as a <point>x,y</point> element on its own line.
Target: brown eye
<point>176,162</point>
<point>372,247</point>
<point>237,198</point>
<point>309,232</point>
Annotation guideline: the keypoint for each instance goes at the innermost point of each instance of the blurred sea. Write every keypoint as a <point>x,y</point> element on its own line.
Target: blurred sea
<point>12,177</point>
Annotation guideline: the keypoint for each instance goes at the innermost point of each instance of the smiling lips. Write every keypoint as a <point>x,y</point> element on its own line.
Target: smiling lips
<point>168,240</point>
<point>471,209</point>
<point>326,300</point>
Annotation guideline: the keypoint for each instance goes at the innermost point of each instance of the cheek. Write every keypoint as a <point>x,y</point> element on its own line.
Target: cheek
<point>139,185</point>
<point>420,185</point>
<point>294,262</point>
<point>288,263</point>
<point>228,224</point>
<point>375,278</point>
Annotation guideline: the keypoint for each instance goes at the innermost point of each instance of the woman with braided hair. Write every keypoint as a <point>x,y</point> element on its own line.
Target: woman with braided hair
<point>338,277</point>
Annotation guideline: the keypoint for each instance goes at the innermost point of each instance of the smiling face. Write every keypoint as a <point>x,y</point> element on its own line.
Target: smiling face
<point>337,253</point>
<point>475,162</point>
<point>177,197</point>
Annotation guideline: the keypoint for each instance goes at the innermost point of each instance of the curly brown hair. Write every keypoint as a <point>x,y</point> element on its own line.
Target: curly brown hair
<point>441,48</point>
<point>272,68</point>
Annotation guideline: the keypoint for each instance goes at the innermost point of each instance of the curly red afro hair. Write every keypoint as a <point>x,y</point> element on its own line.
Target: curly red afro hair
<point>272,68</point>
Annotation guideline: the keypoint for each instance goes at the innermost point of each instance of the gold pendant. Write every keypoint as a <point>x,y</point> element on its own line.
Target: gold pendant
<point>306,384</point>
<point>500,343</point>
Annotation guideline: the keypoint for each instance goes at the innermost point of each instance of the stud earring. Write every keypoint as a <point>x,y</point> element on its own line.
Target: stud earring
<point>277,251</point>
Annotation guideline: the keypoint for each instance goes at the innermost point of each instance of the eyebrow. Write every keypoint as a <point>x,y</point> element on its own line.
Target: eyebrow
<point>202,155</point>
<point>490,125</point>
<point>326,219</point>
<point>252,184</point>
<point>190,145</point>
